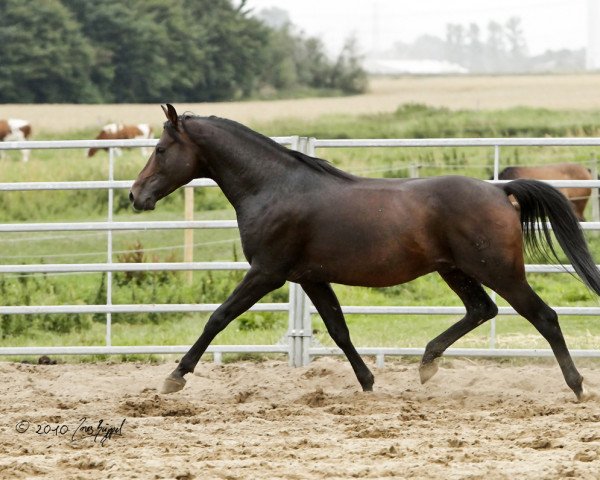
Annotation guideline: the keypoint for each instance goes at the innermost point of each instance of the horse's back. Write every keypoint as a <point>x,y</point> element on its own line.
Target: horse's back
<point>454,191</point>
<point>558,171</point>
<point>423,199</point>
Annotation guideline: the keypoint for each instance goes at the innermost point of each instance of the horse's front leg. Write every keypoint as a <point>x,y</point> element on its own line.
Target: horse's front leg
<point>252,288</point>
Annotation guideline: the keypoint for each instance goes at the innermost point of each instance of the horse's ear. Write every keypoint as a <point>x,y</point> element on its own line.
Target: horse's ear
<point>171,114</point>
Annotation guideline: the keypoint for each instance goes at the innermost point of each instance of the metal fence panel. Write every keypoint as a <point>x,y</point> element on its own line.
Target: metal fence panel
<point>299,346</point>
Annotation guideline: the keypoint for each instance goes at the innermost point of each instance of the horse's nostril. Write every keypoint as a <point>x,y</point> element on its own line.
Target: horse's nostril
<point>131,197</point>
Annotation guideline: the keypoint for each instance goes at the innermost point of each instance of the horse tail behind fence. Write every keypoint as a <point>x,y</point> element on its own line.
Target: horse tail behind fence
<point>540,202</point>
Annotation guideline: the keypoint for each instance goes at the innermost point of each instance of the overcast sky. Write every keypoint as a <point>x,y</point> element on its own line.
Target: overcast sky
<point>378,23</point>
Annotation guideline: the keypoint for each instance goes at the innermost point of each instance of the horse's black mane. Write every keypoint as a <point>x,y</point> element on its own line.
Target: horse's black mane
<point>314,163</point>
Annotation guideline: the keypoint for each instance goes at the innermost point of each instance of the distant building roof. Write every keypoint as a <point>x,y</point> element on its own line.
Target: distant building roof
<point>386,66</point>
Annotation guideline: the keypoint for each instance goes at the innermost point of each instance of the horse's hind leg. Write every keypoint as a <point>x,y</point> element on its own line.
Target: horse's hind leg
<point>480,308</point>
<point>326,303</point>
<point>527,303</point>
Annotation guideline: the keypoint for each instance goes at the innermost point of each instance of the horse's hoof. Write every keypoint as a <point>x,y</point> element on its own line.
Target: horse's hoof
<point>585,395</point>
<point>173,384</point>
<point>428,370</point>
<point>367,383</point>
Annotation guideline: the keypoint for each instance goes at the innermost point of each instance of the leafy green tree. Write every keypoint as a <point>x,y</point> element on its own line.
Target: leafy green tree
<point>279,71</point>
<point>152,51</point>
<point>347,75</point>
<point>44,56</point>
<point>235,46</point>
<point>295,61</point>
<point>182,50</point>
<point>128,42</point>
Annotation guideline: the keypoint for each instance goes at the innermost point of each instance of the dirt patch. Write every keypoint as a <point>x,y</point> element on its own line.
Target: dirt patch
<point>246,420</point>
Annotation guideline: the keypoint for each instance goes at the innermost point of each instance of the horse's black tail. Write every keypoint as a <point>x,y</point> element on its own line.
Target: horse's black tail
<point>539,202</point>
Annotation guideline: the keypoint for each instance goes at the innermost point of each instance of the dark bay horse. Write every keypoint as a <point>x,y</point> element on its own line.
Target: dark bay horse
<point>560,171</point>
<point>303,220</point>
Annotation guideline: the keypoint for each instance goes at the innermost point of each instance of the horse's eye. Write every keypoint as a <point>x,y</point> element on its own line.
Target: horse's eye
<point>160,149</point>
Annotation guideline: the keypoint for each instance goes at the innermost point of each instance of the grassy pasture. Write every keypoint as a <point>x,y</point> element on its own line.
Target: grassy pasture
<point>408,121</point>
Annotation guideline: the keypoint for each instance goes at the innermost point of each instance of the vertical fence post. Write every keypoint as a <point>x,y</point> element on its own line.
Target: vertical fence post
<point>496,161</point>
<point>300,329</point>
<point>188,234</point>
<point>299,322</point>
<point>109,253</point>
<point>413,170</point>
<point>493,294</point>
<point>307,339</point>
<point>296,332</point>
<point>594,194</point>
<point>307,334</point>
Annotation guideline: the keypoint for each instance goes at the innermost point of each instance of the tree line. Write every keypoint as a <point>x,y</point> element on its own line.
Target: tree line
<point>499,48</point>
<point>137,51</point>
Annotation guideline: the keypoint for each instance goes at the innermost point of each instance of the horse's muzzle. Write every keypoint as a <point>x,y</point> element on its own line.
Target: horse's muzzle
<point>141,205</point>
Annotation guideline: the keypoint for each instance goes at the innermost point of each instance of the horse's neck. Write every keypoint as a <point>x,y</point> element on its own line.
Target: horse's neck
<point>245,171</point>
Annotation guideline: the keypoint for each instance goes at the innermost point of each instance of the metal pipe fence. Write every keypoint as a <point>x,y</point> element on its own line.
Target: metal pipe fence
<point>300,345</point>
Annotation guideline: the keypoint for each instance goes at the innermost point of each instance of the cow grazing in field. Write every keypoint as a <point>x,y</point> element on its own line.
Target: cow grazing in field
<point>15,130</point>
<point>561,171</point>
<point>118,131</point>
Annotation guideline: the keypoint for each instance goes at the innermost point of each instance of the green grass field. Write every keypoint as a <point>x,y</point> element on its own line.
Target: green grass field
<point>411,121</point>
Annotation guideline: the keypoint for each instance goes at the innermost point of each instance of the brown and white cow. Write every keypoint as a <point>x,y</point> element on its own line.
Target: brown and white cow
<point>118,131</point>
<point>15,130</point>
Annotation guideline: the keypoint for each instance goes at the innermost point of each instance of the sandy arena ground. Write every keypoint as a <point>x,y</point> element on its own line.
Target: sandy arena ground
<point>384,95</point>
<point>269,421</point>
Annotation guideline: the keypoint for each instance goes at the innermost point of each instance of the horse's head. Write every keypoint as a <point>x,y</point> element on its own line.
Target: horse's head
<point>174,162</point>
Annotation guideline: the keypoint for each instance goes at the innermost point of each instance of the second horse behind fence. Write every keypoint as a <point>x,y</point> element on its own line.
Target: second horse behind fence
<point>578,196</point>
